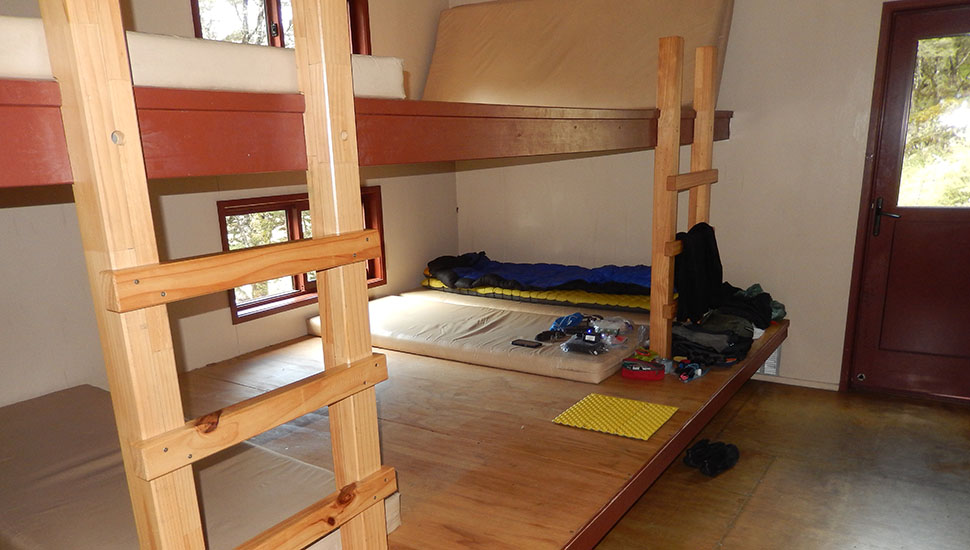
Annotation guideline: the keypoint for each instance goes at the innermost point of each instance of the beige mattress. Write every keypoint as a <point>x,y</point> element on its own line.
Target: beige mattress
<point>62,483</point>
<point>482,336</point>
<point>568,53</point>
<point>639,317</point>
<point>176,62</point>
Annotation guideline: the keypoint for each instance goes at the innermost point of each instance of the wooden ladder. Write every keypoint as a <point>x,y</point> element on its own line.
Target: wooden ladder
<point>130,286</point>
<point>668,182</point>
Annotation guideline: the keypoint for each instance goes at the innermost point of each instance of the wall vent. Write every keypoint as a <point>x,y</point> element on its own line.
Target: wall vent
<point>772,364</point>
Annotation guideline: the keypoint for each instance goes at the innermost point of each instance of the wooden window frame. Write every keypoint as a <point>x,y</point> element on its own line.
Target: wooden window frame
<point>358,10</point>
<point>305,290</point>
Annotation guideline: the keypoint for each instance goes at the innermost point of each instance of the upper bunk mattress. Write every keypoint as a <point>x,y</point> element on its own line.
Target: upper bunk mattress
<point>483,336</point>
<point>176,62</point>
<point>568,53</point>
<point>62,483</point>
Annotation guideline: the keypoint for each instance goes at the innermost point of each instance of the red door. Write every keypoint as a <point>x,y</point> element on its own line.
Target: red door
<point>912,278</point>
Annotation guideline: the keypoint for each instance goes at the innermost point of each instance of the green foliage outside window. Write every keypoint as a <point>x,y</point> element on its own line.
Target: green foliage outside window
<point>257,229</point>
<point>936,161</point>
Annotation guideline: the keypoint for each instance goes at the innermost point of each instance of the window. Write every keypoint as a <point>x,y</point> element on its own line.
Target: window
<point>263,22</point>
<point>266,22</point>
<point>259,221</point>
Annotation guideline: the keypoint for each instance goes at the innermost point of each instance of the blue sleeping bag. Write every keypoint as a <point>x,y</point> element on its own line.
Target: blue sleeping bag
<point>477,270</point>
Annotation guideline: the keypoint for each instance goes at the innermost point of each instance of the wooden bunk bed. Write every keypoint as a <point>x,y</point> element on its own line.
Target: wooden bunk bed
<point>130,287</point>
<point>101,136</point>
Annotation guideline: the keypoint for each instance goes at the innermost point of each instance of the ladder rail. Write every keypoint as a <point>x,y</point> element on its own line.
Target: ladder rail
<point>322,39</point>
<point>89,59</point>
<point>669,182</point>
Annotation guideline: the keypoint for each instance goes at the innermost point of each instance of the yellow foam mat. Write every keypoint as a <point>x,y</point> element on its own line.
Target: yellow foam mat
<point>617,416</point>
<point>630,301</point>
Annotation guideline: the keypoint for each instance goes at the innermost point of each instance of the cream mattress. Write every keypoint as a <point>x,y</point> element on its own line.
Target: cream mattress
<point>568,53</point>
<point>176,62</point>
<point>480,336</point>
<point>62,483</point>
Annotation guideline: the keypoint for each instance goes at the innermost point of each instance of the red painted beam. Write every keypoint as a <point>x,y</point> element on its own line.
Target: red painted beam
<point>201,133</point>
<point>197,132</point>
<point>32,146</point>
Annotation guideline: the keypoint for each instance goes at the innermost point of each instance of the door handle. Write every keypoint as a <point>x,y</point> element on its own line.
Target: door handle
<point>877,224</point>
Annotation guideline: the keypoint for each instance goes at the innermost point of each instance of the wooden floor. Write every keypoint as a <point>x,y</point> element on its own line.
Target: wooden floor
<point>818,470</point>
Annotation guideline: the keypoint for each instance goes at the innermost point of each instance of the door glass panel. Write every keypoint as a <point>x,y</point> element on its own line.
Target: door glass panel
<point>241,21</point>
<point>936,160</point>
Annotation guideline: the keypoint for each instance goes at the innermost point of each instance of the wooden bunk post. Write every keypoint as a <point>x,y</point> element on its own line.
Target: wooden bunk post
<point>668,182</point>
<point>702,149</point>
<point>670,77</point>
<point>333,176</point>
<point>89,59</point>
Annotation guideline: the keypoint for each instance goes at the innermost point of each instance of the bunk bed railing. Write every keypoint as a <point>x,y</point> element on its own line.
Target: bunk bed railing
<point>88,54</point>
<point>669,182</point>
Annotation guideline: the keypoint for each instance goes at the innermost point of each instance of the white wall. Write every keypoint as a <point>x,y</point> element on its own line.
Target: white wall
<point>20,8</point>
<point>154,16</point>
<point>420,219</point>
<point>798,76</point>
<point>48,334</point>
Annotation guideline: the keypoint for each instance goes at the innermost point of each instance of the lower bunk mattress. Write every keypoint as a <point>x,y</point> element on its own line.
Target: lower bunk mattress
<point>62,482</point>
<point>482,336</point>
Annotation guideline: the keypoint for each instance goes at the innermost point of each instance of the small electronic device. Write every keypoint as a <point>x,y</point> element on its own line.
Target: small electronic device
<point>526,343</point>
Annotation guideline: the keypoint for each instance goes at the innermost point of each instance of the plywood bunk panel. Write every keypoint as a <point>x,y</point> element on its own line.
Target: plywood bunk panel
<point>401,132</point>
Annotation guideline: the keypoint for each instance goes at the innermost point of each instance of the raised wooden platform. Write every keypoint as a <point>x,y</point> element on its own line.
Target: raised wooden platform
<point>480,464</point>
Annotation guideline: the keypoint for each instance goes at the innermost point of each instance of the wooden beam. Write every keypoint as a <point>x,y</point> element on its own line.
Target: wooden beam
<point>666,164</point>
<point>324,516</point>
<point>673,248</point>
<point>670,310</point>
<point>194,132</point>
<point>211,433</point>
<point>333,178</point>
<point>702,148</point>
<point>162,283</point>
<point>89,59</point>
<point>690,180</point>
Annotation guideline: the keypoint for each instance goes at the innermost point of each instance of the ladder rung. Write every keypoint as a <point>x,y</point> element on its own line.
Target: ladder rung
<point>226,427</point>
<point>682,182</point>
<point>151,285</point>
<point>328,514</point>
<point>670,310</point>
<point>673,248</point>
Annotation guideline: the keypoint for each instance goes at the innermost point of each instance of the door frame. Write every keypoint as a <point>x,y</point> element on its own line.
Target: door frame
<point>876,126</point>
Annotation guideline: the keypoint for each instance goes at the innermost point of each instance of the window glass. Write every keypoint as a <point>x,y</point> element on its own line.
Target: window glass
<point>936,159</point>
<point>241,21</point>
<point>286,12</point>
<point>257,229</point>
<point>307,234</point>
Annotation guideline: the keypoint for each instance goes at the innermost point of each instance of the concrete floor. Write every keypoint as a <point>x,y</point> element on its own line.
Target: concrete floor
<point>818,470</point>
